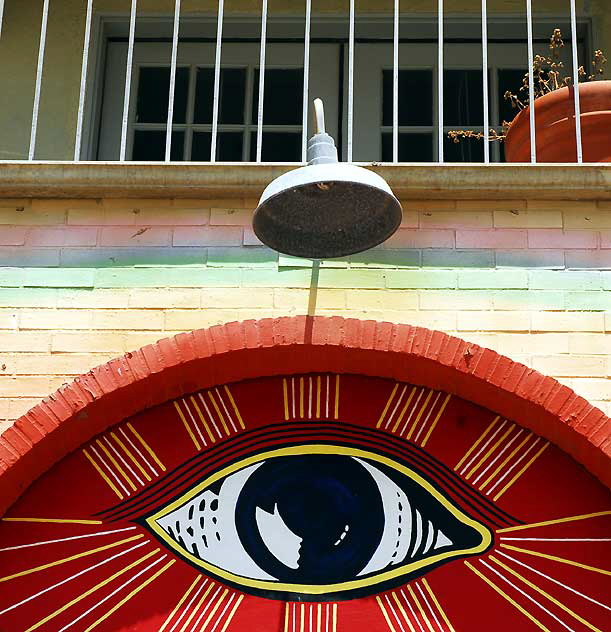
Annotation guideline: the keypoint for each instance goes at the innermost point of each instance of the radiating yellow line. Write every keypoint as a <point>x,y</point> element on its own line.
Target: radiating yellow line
<point>517,476</point>
<point>562,560</point>
<point>381,419</point>
<point>503,594</point>
<point>490,451</point>
<point>545,594</point>
<point>116,464</point>
<point>200,414</point>
<point>301,412</point>
<point>506,460</point>
<point>383,609</point>
<point>131,456</point>
<point>182,600</point>
<point>336,412</point>
<point>218,412</point>
<point>69,559</point>
<point>441,611</point>
<point>286,609</point>
<point>57,520</point>
<point>91,590</point>
<point>400,417</point>
<point>402,609</point>
<point>216,606</point>
<point>103,475</point>
<point>187,427</point>
<point>532,525</point>
<point>185,625</point>
<point>437,417</point>
<point>422,409</point>
<point>235,408</point>
<point>147,447</point>
<point>286,399</point>
<point>135,591</point>
<point>233,611</point>
<point>318,381</point>
<point>479,440</point>
<point>422,612</point>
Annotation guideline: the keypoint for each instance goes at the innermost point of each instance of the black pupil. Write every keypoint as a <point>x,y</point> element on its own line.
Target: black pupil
<point>330,501</point>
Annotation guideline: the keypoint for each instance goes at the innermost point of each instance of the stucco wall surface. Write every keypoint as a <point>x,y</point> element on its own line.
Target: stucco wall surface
<point>82,281</point>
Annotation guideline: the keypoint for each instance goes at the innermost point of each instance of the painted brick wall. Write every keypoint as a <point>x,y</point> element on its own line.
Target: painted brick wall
<point>83,280</point>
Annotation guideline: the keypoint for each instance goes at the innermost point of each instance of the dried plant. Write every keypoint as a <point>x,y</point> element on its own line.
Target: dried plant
<point>547,77</point>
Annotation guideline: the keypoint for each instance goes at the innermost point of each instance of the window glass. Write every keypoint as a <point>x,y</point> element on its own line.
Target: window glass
<point>228,146</point>
<point>467,150</point>
<point>283,100</point>
<point>412,147</point>
<point>150,145</point>
<point>462,97</point>
<point>277,147</point>
<point>232,95</point>
<point>415,97</point>
<point>509,80</point>
<point>153,92</point>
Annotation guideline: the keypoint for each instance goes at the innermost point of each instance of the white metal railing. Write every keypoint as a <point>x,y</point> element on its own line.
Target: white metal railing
<point>396,18</point>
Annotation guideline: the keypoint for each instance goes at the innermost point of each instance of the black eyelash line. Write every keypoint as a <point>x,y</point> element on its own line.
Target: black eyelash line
<point>262,439</point>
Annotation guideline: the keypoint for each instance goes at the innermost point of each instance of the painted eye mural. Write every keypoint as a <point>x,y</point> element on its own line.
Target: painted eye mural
<point>310,503</point>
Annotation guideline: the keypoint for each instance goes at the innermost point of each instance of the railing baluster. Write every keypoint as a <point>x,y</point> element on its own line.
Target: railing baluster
<point>395,85</point>
<point>217,81</point>
<point>168,134</point>
<point>306,81</point>
<point>41,61</point>
<point>531,82</point>
<point>578,139</point>
<point>440,80</point>
<point>78,141</point>
<point>128,78</point>
<point>350,82</point>
<point>261,80</point>
<point>485,81</point>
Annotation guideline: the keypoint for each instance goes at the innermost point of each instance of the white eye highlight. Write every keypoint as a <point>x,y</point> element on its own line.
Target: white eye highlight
<point>281,542</point>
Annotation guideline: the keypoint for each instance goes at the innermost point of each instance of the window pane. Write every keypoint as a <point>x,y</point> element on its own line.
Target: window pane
<point>283,100</point>
<point>277,147</point>
<point>415,97</point>
<point>150,145</point>
<point>412,147</point>
<point>467,150</point>
<point>229,146</point>
<point>232,95</point>
<point>509,80</point>
<point>463,99</point>
<point>153,92</point>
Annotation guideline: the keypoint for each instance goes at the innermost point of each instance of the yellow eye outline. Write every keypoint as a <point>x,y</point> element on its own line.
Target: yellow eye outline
<point>320,589</point>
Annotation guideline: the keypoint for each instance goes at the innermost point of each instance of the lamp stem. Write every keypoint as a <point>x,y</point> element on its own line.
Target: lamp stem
<point>319,117</point>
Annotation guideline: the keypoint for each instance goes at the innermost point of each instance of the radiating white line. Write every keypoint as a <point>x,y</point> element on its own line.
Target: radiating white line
<point>294,617</point>
<point>199,432</point>
<point>555,581</point>
<point>78,141</point>
<point>552,540</point>
<point>440,69</point>
<point>68,579</point>
<point>168,134</point>
<point>112,472</point>
<point>394,613</point>
<point>394,410</point>
<point>210,415</point>
<point>513,467</point>
<point>411,412</point>
<point>498,456</point>
<point>311,627</point>
<point>327,625</point>
<point>220,617</point>
<point>217,80</point>
<point>73,537</point>
<point>485,81</point>
<point>310,397</point>
<point>327,402</point>
<point>578,138</point>
<point>216,390</point>
<point>411,609</point>
<point>468,464</point>
<point>306,81</point>
<point>187,608</point>
<point>112,594</point>
<point>350,81</point>
<point>428,416</point>
<point>140,454</point>
<point>531,82</point>
<point>1,15</point>
<point>208,604</point>
<point>293,395</point>
<point>41,61</point>
<point>395,85</point>
<point>128,79</point>
<point>551,614</point>
<point>424,597</point>
<point>261,80</point>
<point>127,465</point>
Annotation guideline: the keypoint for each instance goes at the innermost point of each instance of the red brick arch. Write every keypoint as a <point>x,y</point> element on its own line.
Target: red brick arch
<point>192,361</point>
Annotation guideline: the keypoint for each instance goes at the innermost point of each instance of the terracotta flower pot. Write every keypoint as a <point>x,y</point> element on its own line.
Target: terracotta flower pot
<point>555,126</point>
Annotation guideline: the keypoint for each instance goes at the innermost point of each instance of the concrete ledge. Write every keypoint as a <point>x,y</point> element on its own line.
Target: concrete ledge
<point>198,180</point>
